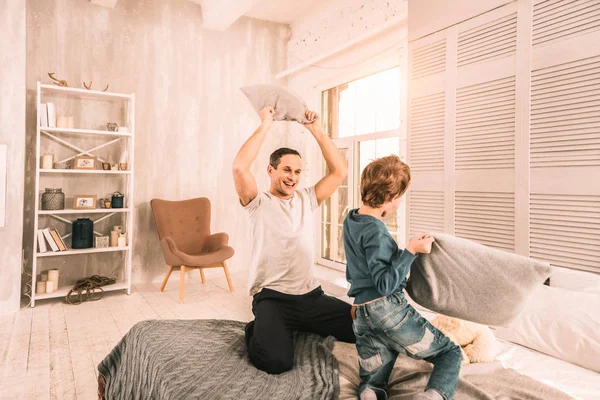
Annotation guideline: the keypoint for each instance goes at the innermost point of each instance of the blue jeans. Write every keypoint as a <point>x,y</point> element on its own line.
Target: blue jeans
<point>390,326</point>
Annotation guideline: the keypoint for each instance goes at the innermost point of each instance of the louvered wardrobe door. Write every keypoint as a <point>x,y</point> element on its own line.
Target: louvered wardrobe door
<point>426,130</point>
<point>565,230</point>
<point>484,205</point>
<point>561,19</point>
<point>485,125</point>
<point>494,39</point>
<point>565,134</point>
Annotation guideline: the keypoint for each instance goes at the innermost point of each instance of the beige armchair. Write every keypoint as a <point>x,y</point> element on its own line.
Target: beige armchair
<point>184,233</point>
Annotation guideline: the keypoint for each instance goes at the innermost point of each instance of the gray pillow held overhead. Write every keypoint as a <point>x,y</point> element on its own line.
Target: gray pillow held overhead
<point>466,280</point>
<point>288,106</point>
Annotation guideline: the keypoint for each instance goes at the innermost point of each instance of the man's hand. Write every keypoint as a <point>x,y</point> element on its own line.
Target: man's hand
<point>245,184</point>
<point>420,244</point>
<point>266,116</point>
<point>316,121</point>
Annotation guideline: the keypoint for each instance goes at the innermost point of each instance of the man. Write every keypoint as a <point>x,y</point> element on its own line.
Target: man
<point>287,297</point>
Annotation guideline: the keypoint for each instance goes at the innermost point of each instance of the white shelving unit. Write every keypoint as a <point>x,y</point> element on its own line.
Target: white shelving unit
<point>62,136</point>
<point>82,251</point>
<point>73,171</point>
<point>91,132</point>
<point>63,291</point>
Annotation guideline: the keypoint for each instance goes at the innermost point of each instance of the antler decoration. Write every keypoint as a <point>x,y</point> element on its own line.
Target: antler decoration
<point>58,82</point>
<point>89,86</point>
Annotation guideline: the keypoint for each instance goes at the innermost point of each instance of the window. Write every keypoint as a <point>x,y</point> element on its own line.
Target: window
<point>363,117</point>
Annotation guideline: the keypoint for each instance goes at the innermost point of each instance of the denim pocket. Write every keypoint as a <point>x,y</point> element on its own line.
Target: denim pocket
<point>399,299</point>
<point>368,355</point>
<point>412,333</point>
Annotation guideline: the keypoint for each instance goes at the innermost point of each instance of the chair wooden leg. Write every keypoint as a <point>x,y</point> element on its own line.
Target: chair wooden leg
<point>228,277</point>
<point>164,282</point>
<point>182,284</point>
<point>202,275</point>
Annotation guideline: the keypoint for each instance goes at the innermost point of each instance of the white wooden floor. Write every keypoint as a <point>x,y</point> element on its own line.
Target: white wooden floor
<point>52,351</point>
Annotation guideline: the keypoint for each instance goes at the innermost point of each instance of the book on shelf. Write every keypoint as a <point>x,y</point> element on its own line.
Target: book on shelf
<point>43,112</point>
<point>58,240</point>
<point>42,248</point>
<point>51,115</point>
<point>52,237</point>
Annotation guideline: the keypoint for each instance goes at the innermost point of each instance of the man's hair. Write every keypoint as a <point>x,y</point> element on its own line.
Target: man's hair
<point>383,180</point>
<point>275,158</point>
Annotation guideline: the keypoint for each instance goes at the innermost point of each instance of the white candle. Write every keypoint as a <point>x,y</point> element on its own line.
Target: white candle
<point>62,122</point>
<point>40,287</point>
<point>70,122</point>
<point>50,287</point>
<point>48,161</point>
<point>114,238</point>
<point>53,277</point>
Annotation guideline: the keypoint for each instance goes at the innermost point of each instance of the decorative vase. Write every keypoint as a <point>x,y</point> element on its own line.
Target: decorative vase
<point>83,234</point>
<point>53,199</point>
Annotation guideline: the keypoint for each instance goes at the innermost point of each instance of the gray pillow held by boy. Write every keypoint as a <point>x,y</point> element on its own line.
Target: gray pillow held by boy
<point>466,280</point>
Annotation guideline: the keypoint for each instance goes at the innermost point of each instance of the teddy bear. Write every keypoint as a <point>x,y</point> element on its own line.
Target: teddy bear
<point>477,342</point>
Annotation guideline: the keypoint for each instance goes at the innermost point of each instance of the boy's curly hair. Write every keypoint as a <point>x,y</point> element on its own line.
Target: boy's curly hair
<point>383,180</point>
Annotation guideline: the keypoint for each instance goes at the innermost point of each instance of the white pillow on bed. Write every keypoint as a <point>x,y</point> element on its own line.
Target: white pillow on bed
<point>560,323</point>
<point>578,281</point>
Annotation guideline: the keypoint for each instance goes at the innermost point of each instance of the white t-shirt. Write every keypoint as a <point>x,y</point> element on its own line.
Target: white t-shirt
<point>281,232</point>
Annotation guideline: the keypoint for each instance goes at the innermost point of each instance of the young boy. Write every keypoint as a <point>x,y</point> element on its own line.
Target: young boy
<point>384,323</point>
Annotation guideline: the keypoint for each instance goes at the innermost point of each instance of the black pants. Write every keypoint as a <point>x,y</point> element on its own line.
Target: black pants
<point>269,337</point>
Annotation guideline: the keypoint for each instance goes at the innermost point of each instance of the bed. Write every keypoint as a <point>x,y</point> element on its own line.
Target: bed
<point>571,380</point>
<point>578,382</point>
<point>551,351</point>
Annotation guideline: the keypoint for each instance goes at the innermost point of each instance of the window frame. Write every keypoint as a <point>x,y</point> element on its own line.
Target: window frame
<point>352,143</point>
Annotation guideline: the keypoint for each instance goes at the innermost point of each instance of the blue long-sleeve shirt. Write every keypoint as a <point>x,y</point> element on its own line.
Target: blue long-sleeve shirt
<point>375,266</point>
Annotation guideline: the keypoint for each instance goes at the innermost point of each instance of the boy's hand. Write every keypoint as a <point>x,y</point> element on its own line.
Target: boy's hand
<point>266,115</point>
<point>420,244</point>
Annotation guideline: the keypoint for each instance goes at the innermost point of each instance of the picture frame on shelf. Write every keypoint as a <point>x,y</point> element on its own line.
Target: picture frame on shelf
<point>85,162</point>
<point>84,202</point>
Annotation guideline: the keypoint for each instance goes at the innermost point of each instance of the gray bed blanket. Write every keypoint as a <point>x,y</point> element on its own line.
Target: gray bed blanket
<point>207,359</point>
<point>488,381</point>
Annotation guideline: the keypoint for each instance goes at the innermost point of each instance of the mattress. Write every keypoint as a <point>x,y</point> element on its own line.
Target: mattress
<point>575,381</point>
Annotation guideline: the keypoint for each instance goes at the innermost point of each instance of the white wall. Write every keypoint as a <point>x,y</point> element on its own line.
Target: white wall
<point>12,133</point>
<point>191,117</point>
<point>332,26</point>
<point>336,22</point>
